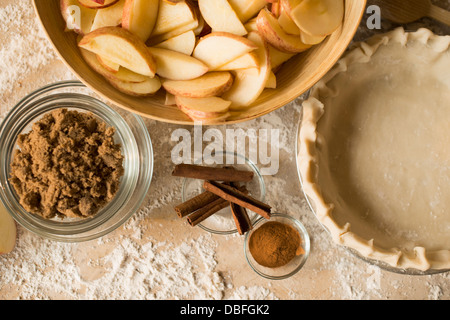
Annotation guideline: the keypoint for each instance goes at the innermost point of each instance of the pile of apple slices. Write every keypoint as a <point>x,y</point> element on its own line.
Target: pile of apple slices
<point>212,57</point>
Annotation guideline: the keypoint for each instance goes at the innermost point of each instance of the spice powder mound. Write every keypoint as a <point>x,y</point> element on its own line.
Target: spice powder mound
<point>68,165</point>
<point>274,244</point>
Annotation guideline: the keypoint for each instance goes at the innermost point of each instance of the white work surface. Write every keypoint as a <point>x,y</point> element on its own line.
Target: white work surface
<point>156,255</point>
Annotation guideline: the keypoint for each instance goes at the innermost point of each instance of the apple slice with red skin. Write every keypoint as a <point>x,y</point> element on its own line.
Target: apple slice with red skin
<point>122,47</point>
<point>139,16</point>
<point>97,4</point>
<point>206,110</point>
<point>272,32</point>
<point>210,84</point>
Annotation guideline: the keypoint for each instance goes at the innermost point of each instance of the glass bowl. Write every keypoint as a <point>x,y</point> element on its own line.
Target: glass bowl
<point>131,133</point>
<point>222,222</point>
<point>352,251</point>
<point>295,264</point>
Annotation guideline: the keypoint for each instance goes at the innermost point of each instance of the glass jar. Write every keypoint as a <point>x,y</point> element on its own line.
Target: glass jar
<point>131,134</point>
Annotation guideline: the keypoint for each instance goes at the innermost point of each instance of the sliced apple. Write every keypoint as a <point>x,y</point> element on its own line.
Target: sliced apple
<point>318,17</point>
<point>221,17</point>
<point>109,17</point>
<point>287,24</point>
<point>289,5</point>
<point>173,16</point>
<point>154,40</point>
<point>97,4</point>
<point>275,8</point>
<point>177,66</point>
<point>146,88</point>
<point>122,74</point>
<point>250,83</point>
<point>246,9</point>
<point>8,231</point>
<point>208,85</point>
<point>201,22</point>
<point>248,60</point>
<point>204,109</point>
<point>309,39</point>
<point>271,81</point>
<point>139,16</point>
<point>183,43</point>
<point>251,25</point>
<point>173,1</point>
<point>125,75</point>
<point>82,25</point>
<point>272,32</point>
<point>122,47</point>
<point>277,57</point>
<point>219,48</point>
<point>108,64</point>
<point>203,28</point>
<point>170,100</point>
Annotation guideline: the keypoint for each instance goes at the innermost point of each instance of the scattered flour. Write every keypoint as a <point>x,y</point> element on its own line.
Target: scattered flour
<point>435,292</point>
<point>25,48</point>
<point>44,269</point>
<point>357,283</point>
<point>158,271</point>
<point>258,293</point>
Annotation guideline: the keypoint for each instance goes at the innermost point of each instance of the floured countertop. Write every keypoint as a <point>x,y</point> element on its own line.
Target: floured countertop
<point>156,255</point>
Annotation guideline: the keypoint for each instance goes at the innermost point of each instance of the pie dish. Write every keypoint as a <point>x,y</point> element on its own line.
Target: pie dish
<point>373,150</point>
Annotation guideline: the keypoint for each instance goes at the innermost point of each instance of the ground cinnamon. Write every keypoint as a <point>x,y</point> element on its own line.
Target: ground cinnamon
<point>275,244</point>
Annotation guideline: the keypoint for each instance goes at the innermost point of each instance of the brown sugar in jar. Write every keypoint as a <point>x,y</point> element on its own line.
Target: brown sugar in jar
<point>68,165</point>
<point>275,244</point>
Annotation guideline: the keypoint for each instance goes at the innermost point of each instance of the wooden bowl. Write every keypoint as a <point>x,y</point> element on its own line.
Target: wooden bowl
<point>296,77</point>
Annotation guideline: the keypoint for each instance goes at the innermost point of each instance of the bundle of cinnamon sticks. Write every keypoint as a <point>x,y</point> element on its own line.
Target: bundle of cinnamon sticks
<point>223,187</point>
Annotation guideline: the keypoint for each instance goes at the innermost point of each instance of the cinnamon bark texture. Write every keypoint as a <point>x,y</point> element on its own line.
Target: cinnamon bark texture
<point>210,208</point>
<point>212,173</point>
<point>186,208</point>
<point>207,211</point>
<point>241,218</point>
<point>233,195</point>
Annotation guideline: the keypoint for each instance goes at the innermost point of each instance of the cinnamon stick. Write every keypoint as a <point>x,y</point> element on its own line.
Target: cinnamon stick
<point>233,195</point>
<point>186,208</point>
<point>207,211</point>
<point>210,208</point>
<point>211,173</point>
<point>241,218</point>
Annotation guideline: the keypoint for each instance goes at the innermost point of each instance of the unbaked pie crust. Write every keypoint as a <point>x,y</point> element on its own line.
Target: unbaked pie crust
<point>374,150</point>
